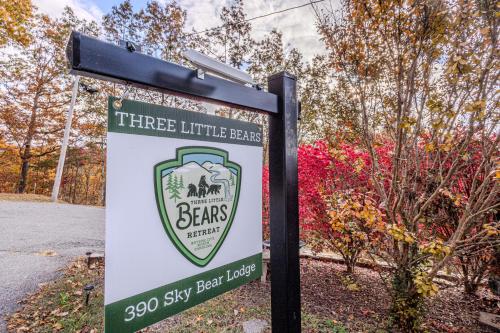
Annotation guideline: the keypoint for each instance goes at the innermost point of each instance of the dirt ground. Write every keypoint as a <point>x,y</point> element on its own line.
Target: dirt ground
<point>325,292</point>
<point>358,305</point>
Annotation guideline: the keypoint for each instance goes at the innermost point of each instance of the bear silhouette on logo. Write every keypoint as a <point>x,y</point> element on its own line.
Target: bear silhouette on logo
<point>192,191</point>
<point>202,187</point>
<point>214,189</point>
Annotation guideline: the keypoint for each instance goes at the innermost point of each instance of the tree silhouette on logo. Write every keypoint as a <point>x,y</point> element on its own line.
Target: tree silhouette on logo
<point>173,186</point>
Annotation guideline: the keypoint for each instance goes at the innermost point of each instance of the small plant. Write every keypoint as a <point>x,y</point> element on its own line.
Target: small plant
<point>63,298</point>
<point>349,283</point>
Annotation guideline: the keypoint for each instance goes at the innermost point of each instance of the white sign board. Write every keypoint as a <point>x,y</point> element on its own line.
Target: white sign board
<point>183,211</point>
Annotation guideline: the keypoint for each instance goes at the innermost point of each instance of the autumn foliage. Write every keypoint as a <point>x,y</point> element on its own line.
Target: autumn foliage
<point>399,133</point>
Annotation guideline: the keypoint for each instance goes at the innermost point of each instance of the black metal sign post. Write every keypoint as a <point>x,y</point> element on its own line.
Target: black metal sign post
<point>97,59</point>
<point>284,206</point>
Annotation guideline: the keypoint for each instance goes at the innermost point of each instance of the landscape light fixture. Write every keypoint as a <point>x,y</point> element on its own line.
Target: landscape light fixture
<point>88,289</point>
<point>207,64</point>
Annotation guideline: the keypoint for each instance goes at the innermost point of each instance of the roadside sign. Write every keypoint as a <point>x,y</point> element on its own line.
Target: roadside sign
<point>102,60</point>
<point>183,211</point>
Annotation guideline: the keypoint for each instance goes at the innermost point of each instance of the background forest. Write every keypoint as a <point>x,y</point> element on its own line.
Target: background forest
<point>398,156</point>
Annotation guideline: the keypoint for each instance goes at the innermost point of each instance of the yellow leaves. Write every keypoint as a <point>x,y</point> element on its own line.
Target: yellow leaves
<point>475,106</point>
<point>429,147</point>
<point>481,104</point>
<point>359,164</point>
<point>354,221</point>
<point>338,154</point>
<point>425,286</point>
<point>352,287</point>
<point>348,214</point>
<point>405,125</point>
<point>437,124</point>
<point>354,204</point>
<point>436,248</point>
<point>349,283</point>
<point>446,147</point>
<point>457,199</point>
<point>460,65</point>
<point>400,234</point>
<point>408,122</point>
<point>14,16</point>
<point>453,68</point>
<point>492,230</point>
<point>459,60</point>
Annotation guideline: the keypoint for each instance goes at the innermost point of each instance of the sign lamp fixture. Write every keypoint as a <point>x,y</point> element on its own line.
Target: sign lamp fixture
<point>207,64</point>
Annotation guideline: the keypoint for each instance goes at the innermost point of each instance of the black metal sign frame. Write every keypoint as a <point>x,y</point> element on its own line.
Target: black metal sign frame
<point>94,58</point>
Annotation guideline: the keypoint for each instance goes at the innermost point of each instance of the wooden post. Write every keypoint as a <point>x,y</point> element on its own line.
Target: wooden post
<point>64,146</point>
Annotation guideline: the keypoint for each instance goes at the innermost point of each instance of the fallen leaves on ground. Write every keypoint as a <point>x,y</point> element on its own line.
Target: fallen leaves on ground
<point>58,306</point>
<point>47,253</point>
<point>329,304</point>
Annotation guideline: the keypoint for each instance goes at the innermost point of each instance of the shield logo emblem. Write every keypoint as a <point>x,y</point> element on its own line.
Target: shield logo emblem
<point>197,196</point>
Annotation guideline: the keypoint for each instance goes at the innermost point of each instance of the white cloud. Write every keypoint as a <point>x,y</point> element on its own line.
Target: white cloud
<point>297,25</point>
<point>83,9</point>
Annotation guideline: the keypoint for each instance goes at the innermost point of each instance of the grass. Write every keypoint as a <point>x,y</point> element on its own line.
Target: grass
<point>60,305</point>
<point>24,197</point>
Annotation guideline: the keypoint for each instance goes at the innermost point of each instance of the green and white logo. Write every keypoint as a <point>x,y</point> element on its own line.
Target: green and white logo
<point>197,196</point>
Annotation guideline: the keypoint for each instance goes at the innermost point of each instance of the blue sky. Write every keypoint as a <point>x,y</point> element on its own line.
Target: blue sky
<point>105,5</point>
<point>297,26</point>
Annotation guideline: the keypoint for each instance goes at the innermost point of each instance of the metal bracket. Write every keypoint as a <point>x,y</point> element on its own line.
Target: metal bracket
<point>117,104</point>
<point>130,46</point>
<point>200,74</point>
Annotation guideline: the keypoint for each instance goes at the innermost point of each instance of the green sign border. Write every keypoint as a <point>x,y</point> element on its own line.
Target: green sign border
<point>115,313</point>
<point>158,168</point>
<point>141,109</point>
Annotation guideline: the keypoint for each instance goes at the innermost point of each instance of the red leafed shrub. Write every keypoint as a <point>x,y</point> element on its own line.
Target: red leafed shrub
<point>324,170</point>
<point>314,162</point>
<point>314,176</point>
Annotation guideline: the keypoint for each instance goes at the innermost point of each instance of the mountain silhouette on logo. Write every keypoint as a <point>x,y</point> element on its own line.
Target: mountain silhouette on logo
<point>193,169</point>
<point>221,171</point>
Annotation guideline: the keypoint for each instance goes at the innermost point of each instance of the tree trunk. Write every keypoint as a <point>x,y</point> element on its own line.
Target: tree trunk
<point>407,305</point>
<point>75,182</point>
<point>470,287</point>
<point>349,267</point>
<point>87,186</point>
<point>350,262</point>
<point>26,153</point>
<point>25,164</point>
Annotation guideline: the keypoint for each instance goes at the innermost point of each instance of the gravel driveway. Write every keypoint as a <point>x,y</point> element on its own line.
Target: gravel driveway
<point>30,228</point>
